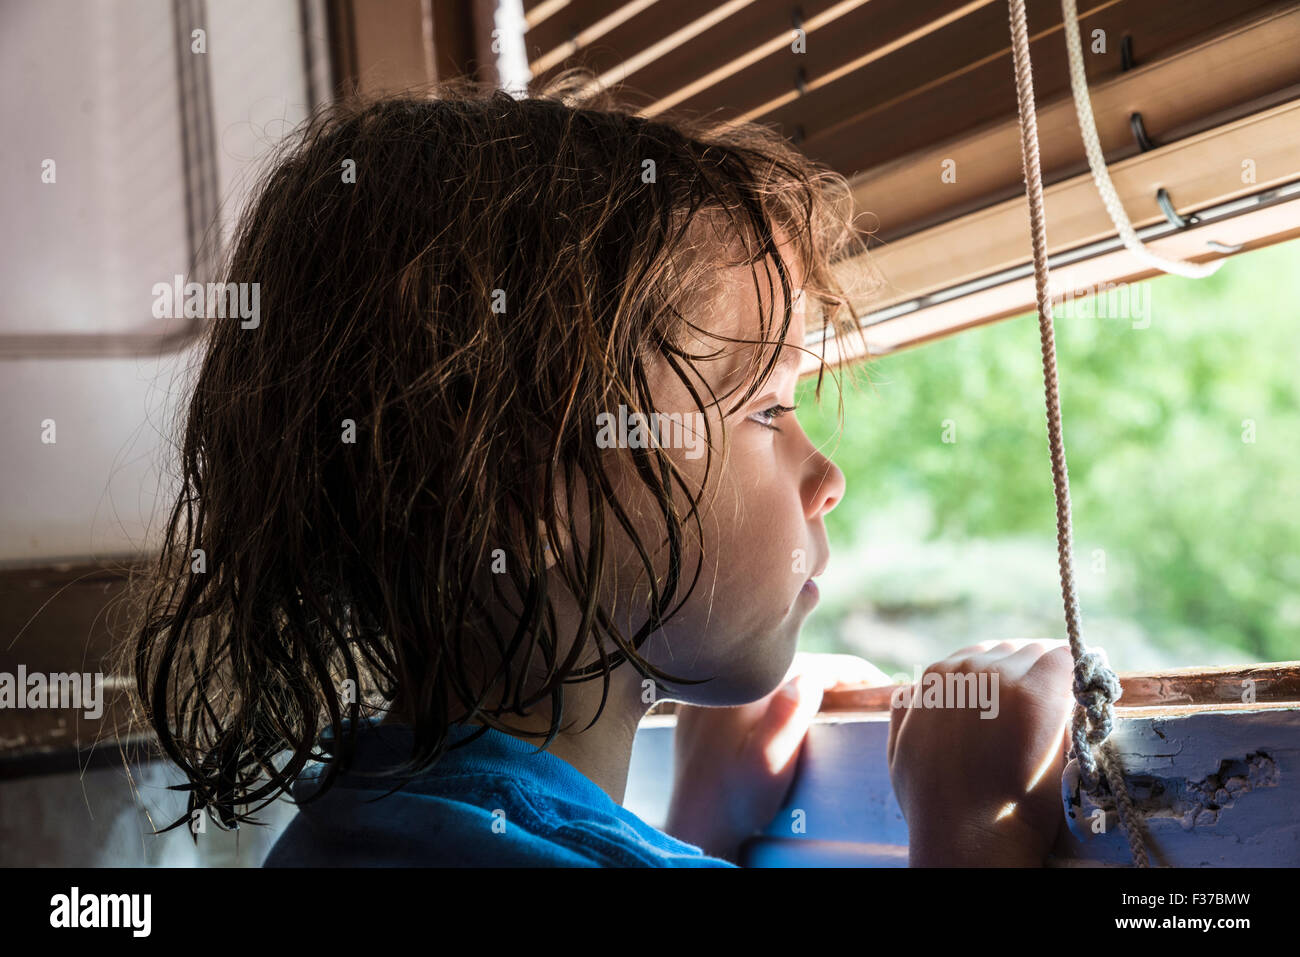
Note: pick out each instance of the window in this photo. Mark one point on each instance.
(1180, 409)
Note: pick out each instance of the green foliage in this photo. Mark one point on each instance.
(1199, 524)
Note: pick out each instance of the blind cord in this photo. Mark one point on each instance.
(1096, 687)
(1097, 160)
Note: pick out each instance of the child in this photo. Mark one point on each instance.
(511, 455)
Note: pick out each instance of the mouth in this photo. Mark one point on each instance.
(810, 586)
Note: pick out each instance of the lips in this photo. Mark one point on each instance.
(810, 586)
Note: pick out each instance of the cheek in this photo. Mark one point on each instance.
(741, 623)
(768, 552)
(756, 562)
(766, 529)
(753, 535)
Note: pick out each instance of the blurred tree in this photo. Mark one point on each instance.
(1180, 420)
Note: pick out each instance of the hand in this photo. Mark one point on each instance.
(986, 791)
(733, 766)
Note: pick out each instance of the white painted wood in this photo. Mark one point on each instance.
(1172, 766)
(1176, 765)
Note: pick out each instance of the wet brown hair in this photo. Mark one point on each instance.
(436, 340)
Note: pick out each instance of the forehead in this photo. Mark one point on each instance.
(732, 307)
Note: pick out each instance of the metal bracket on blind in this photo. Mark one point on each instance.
(1182, 222)
(1167, 207)
(1135, 119)
(1145, 144)
(1140, 132)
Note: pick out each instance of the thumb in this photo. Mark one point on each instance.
(779, 733)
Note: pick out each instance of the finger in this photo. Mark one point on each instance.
(896, 717)
(976, 649)
(1020, 662)
(1014, 646)
(1061, 745)
(990, 653)
(781, 731)
(1054, 665)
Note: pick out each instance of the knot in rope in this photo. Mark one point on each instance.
(1096, 689)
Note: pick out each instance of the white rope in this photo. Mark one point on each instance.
(1097, 160)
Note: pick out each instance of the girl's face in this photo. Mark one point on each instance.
(764, 537)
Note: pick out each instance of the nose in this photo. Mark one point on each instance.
(824, 486)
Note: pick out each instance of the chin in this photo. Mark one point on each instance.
(764, 675)
(754, 671)
(737, 665)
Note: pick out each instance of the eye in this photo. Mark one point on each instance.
(770, 415)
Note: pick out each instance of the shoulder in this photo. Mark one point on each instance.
(613, 836)
(474, 820)
(492, 801)
(477, 822)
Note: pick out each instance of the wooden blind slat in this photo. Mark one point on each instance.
(929, 80)
(1252, 230)
(744, 29)
(1189, 91)
(1076, 216)
(569, 21)
(883, 29)
(1194, 170)
(842, 122)
(536, 11)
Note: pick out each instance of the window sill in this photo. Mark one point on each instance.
(1181, 745)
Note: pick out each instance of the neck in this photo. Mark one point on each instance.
(602, 752)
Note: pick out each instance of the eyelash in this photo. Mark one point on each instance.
(775, 412)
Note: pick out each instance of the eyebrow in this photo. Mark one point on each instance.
(790, 356)
(791, 359)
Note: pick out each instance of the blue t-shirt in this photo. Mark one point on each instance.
(495, 802)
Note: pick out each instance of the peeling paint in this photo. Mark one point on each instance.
(1198, 803)
(1191, 802)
